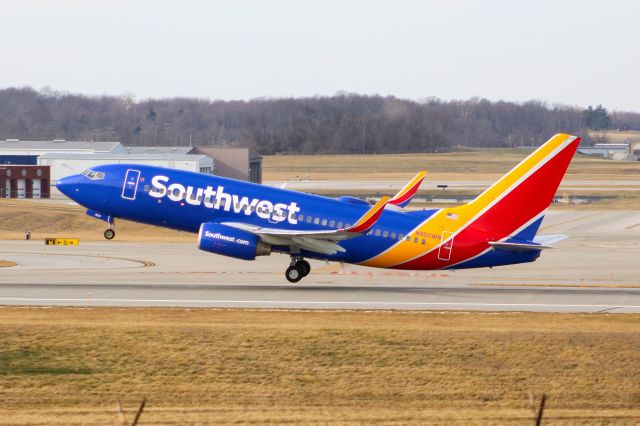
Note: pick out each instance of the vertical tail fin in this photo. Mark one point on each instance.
(512, 207)
(516, 202)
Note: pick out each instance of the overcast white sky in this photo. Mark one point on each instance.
(572, 52)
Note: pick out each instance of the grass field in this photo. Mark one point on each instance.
(614, 136)
(469, 165)
(46, 219)
(59, 366)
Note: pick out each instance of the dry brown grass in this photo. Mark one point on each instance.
(470, 165)
(44, 219)
(221, 366)
(615, 136)
(6, 264)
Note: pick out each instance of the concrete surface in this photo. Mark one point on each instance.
(597, 269)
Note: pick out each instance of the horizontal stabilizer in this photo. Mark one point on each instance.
(517, 247)
(549, 239)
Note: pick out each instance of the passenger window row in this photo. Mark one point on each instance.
(334, 224)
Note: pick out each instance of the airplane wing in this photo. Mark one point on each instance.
(404, 196)
(319, 241)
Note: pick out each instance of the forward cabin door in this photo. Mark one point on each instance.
(444, 252)
(130, 186)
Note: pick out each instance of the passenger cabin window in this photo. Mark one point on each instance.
(385, 234)
(309, 218)
(332, 223)
(324, 222)
(316, 221)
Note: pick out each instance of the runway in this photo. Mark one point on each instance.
(595, 270)
(325, 297)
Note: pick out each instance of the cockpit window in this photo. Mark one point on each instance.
(93, 175)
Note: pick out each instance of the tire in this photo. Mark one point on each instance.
(109, 234)
(304, 266)
(293, 274)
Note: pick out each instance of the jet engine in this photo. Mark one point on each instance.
(232, 242)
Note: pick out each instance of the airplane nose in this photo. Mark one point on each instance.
(67, 185)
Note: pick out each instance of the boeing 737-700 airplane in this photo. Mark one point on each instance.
(245, 220)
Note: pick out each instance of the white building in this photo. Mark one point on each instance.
(36, 148)
(67, 164)
(614, 151)
(159, 149)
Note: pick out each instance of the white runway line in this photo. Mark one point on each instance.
(310, 303)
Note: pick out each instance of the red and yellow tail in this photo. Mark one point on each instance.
(512, 203)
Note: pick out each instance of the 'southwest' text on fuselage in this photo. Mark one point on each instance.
(218, 199)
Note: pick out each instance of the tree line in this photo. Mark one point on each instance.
(341, 124)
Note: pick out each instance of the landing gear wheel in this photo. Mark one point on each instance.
(109, 234)
(304, 266)
(293, 274)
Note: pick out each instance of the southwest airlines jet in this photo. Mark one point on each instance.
(244, 220)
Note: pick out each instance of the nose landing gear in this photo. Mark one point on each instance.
(110, 232)
(298, 269)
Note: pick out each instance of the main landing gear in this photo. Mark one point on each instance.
(298, 269)
(110, 232)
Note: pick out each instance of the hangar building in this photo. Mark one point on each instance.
(24, 181)
(614, 151)
(234, 163)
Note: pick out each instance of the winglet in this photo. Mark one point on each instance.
(404, 196)
(369, 218)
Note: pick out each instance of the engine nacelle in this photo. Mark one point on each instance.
(232, 242)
